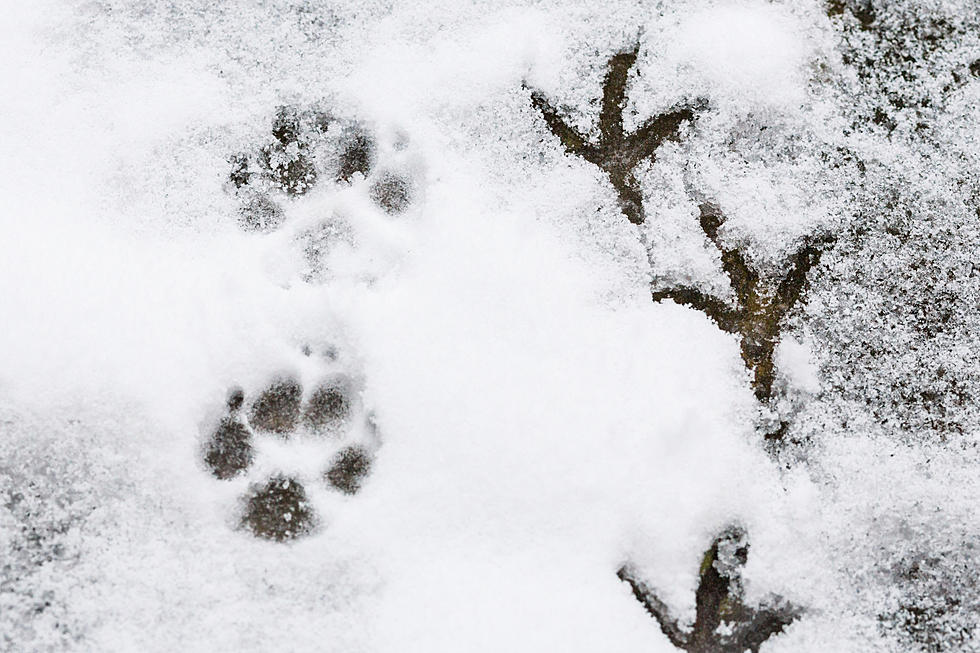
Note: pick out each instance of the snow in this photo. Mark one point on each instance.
(796, 362)
(540, 421)
(746, 51)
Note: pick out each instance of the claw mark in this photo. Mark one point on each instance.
(618, 153)
(723, 624)
(757, 318)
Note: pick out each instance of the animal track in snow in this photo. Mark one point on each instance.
(724, 623)
(283, 440)
(762, 303)
(311, 148)
(321, 188)
(335, 194)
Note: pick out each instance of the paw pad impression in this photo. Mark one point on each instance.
(327, 419)
(310, 147)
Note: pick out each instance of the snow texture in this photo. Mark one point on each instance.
(467, 326)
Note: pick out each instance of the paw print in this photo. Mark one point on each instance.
(287, 442)
(287, 162)
(300, 444)
(311, 148)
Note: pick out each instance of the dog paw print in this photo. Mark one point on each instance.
(312, 148)
(286, 442)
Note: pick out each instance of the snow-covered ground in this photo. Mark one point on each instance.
(410, 220)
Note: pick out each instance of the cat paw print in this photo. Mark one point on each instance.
(312, 148)
(295, 451)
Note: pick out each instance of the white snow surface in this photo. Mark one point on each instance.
(542, 421)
